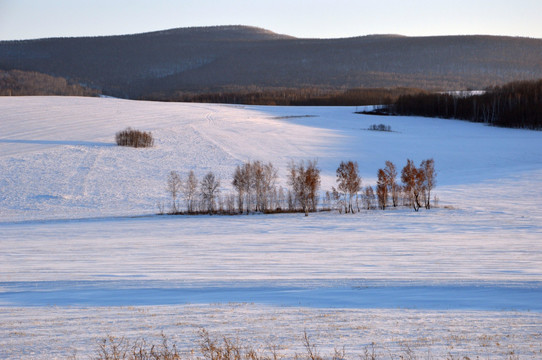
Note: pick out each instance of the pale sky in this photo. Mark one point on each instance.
(30, 19)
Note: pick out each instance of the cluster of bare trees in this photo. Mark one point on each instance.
(134, 138)
(415, 191)
(255, 188)
(254, 183)
(305, 183)
(418, 183)
(187, 189)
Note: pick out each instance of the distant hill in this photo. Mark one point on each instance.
(230, 58)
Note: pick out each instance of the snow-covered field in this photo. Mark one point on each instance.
(82, 254)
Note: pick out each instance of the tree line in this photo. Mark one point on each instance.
(255, 189)
(309, 96)
(516, 105)
(24, 83)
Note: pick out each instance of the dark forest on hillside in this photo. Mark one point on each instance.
(24, 83)
(295, 97)
(516, 105)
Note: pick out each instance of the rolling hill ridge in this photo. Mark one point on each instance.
(230, 58)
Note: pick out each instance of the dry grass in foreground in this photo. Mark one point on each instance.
(210, 348)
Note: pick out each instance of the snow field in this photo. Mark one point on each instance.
(437, 246)
(83, 255)
(58, 159)
(61, 332)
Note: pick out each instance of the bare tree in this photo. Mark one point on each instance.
(230, 203)
(248, 183)
(281, 199)
(430, 175)
(349, 183)
(312, 182)
(269, 184)
(382, 189)
(339, 202)
(295, 176)
(393, 187)
(305, 182)
(209, 191)
(190, 189)
(369, 197)
(327, 201)
(291, 200)
(239, 183)
(413, 180)
(258, 185)
(174, 187)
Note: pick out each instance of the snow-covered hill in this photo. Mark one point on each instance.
(58, 158)
(72, 263)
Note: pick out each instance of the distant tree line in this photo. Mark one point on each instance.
(313, 96)
(516, 105)
(255, 190)
(24, 83)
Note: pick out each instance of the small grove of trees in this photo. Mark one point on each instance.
(134, 138)
(255, 188)
(418, 183)
(380, 127)
(254, 183)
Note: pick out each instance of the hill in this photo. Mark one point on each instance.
(232, 58)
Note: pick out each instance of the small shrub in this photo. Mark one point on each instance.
(134, 138)
(380, 127)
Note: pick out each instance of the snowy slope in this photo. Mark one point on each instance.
(58, 158)
(75, 253)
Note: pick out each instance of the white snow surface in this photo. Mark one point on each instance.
(58, 159)
(81, 248)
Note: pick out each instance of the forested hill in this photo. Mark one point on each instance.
(231, 58)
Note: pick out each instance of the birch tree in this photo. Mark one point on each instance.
(209, 191)
(174, 187)
(190, 189)
(348, 183)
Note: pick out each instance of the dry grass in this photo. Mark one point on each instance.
(224, 348)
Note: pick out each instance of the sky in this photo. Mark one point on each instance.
(30, 19)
